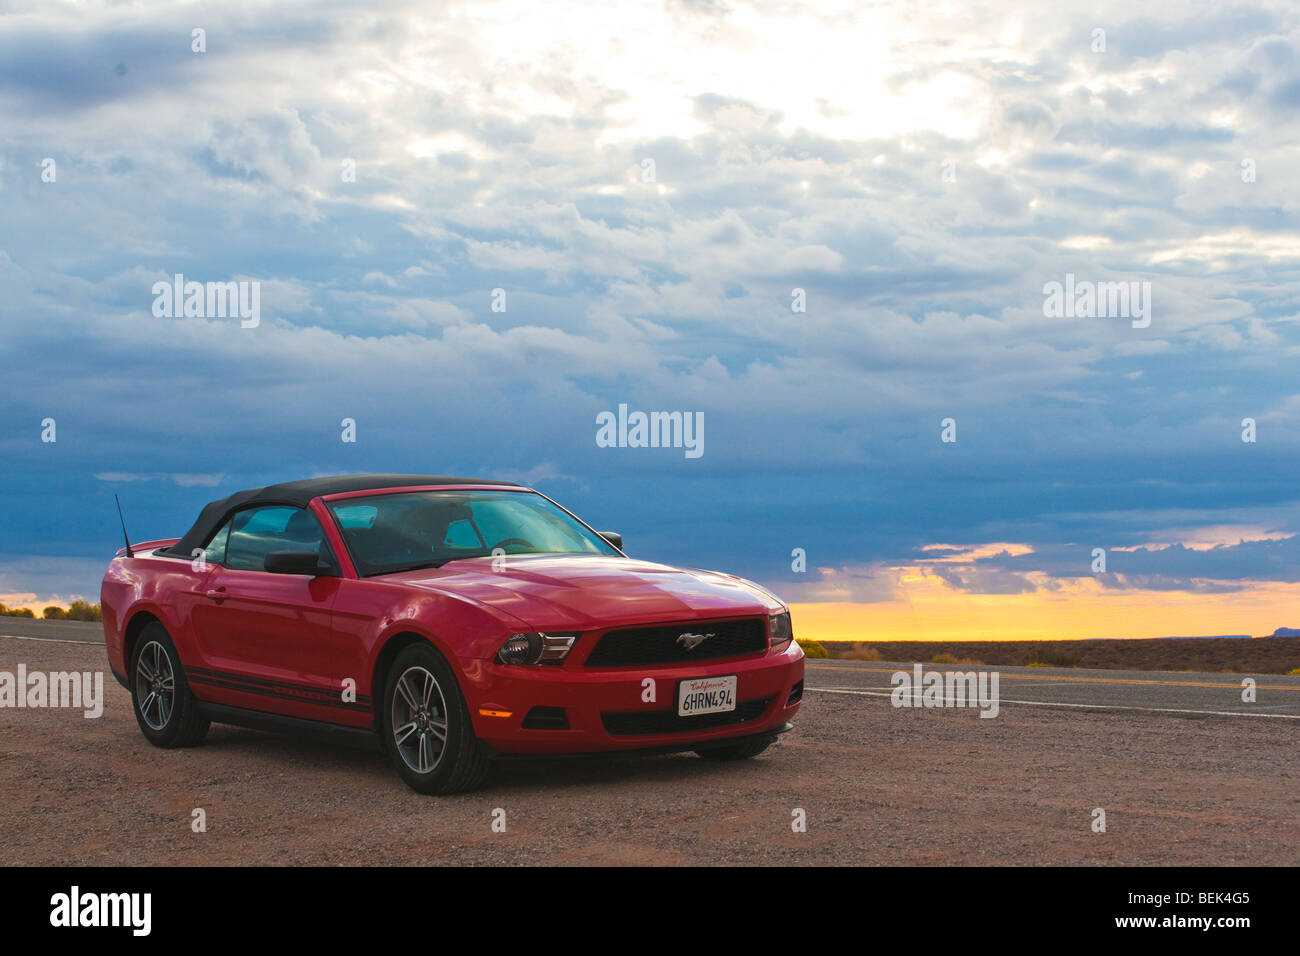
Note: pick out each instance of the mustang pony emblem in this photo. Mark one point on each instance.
(691, 641)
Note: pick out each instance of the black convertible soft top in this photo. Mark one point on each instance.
(299, 494)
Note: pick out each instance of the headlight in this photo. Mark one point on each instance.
(778, 628)
(536, 648)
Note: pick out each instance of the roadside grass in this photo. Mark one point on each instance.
(812, 648)
(1051, 657)
(1264, 655)
(946, 658)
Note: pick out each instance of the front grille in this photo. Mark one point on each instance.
(632, 723)
(662, 644)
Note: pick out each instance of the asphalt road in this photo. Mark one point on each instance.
(89, 632)
(1184, 773)
(1187, 694)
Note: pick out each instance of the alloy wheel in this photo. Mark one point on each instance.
(419, 719)
(155, 685)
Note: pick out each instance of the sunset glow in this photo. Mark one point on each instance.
(929, 609)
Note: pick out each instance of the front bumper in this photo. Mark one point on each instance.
(605, 710)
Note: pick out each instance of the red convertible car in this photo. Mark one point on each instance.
(454, 620)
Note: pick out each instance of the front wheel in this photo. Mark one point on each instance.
(166, 711)
(427, 730)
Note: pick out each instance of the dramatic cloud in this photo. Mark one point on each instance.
(476, 226)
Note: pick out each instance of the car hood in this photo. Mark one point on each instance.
(581, 592)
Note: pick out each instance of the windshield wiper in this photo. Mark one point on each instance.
(413, 567)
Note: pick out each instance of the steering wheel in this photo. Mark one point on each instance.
(505, 541)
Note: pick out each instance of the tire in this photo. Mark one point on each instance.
(167, 719)
(744, 750)
(429, 703)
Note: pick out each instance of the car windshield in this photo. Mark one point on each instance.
(423, 529)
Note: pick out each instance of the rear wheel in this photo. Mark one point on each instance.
(166, 711)
(741, 751)
(427, 730)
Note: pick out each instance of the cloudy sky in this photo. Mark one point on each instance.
(648, 184)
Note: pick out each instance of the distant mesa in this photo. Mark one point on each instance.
(1202, 637)
(1287, 632)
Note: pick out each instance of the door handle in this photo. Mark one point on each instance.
(216, 594)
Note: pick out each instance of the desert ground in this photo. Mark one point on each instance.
(1185, 773)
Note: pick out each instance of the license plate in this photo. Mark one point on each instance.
(706, 695)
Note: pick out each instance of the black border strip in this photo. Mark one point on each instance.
(302, 693)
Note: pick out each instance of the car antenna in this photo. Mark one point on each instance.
(129, 552)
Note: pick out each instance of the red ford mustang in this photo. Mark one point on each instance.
(454, 619)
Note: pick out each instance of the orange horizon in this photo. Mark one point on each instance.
(929, 609)
(1019, 640)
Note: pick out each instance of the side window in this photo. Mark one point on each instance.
(257, 532)
(215, 552)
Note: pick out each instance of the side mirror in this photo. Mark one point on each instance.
(295, 562)
(613, 537)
